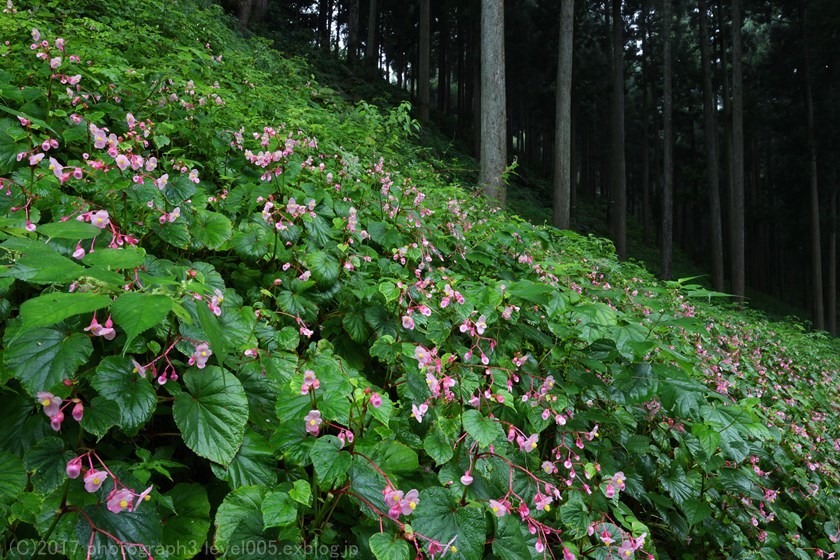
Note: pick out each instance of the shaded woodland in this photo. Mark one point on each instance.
(707, 124)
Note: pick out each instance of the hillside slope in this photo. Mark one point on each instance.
(244, 319)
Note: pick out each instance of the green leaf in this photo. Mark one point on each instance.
(437, 445)
(696, 510)
(42, 358)
(210, 229)
(389, 290)
(254, 464)
(482, 429)
(398, 458)
(324, 267)
(356, 326)
(186, 532)
(101, 415)
(12, 477)
(52, 308)
(71, 229)
(511, 541)
(127, 257)
(136, 312)
(709, 438)
(680, 485)
(213, 414)
(386, 547)
(242, 507)
(330, 462)
(301, 492)
(115, 380)
(438, 516)
(575, 515)
(46, 461)
(139, 526)
(278, 510)
(44, 268)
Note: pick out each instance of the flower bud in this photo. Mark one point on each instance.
(74, 467)
(55, 421)
(78, 412)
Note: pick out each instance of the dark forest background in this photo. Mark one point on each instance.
(705, 126)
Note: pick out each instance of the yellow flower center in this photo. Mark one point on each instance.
(453, 549)
(203, 354)
(495, 509)
(96, 480)
(312, 422)
(547, 507)
(45, 402)
(533, 445)
(412, 505)
(123, 503)
(146, 498)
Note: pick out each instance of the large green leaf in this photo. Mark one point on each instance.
(127, 257)
(324, 268)
(512, 540)
(71, 229)
(437, 445)
(210, 229)
(101, 415)
(330, 462)
(696, 510)
(41, 358)
(186, 531)
(386, 547)
(46, 267)
(438, 516)
(575, 515)
(12, 477)
(243, 506)
(215, 333)
(52, 308)
(254, 464)
(115, 380)
(482, 429)
(46, 460)
(278, 510)
(213, 414)
(136, 312)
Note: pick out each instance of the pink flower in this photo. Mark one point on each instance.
(144, 496)
(94, 479)
(529, 444)
(313, 422)
(625, 550)
(120, 500)
(161, 182)
(419, 411)
(194, 176)
(79, 252)
(100, 219)
(140, 370)
(74, 467)
(481, 324)
(201, 355)
(409, 503)
(618, 479)
(50, 402)
(55, 62)
(56, 167)
(376, 400)
(408, 322)
(122, 162)
(567, 554)
(78, 412)
(35, 159)
(499, 509)
(55, 421)
(542, 502)
(609, 491)
(467, 479)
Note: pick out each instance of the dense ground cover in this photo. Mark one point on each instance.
(242, 318)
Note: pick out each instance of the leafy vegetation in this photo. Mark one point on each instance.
(241, 318)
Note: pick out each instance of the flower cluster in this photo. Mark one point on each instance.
(399, 503)
(120, 498)
(54, 408)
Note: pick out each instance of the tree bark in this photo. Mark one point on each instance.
(353, 31)
(712, 160)
(647, 214)
(618, 190)
(818, 310)
(563, 125)
(832, 262)
(443, 68)
(668, 147)
(371, 50)
(423, 98)
(737, 217)
(493, 111)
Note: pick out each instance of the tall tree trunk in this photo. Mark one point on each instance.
(371, 50)
(324, 24)
(563, 128)
(712, 160)
(832, 262)
(816, 250)
(353, 31)
(618, 190)
(424, 60)
(493, 115)
(668, 148)
(443, 69)
(647, 214)
(737, 217)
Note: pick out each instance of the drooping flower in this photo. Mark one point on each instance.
(78, 411)
(55, 421)
(74, 467)
(50, 402)
(94, 479)
(201, 355)
(467, 479)
(542, 502)
(56, 167)
(79, 252)
(376, 400)
(144, 496)
(528, 444)
(120, 500)
(100, 219)
(408, 322)
(481, 324)
(140, 370)
(419, 411)
(499, 509)
(409, 503)
(313, 422)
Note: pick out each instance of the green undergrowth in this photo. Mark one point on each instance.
(243, 318)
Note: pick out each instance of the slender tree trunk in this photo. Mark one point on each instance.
(618, 171)
(562, 135)
(493, 114)
(353, 31)
(424, 60)
(832, 262)
(816, 250)
(324, 24)
(647, 214)
(737, 217)
(371, 50)
(668, 148)
(712, 160)
(443, 69)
